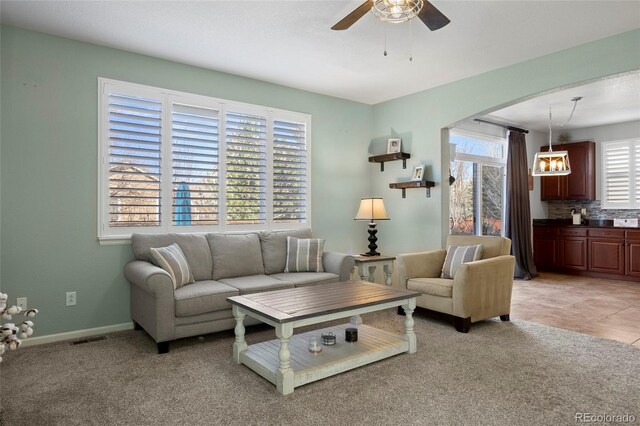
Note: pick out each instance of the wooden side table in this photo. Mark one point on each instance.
(367, 267)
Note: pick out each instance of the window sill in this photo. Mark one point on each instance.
(119, 240)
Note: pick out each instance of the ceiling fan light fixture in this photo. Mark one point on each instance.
(396, 11)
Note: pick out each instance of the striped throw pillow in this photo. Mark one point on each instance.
(172, 260)
(457, 255)
(304, 255)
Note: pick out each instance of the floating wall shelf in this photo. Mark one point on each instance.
(390, 157)
(421, 184)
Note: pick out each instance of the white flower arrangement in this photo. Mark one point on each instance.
(11, 335)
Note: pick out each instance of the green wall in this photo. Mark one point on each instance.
(418, 222)
(49, 160)
(48, 154)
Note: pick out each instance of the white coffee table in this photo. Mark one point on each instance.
(287, 363)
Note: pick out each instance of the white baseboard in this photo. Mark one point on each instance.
(78, 334)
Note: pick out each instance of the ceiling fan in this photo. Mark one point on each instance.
(396, 11)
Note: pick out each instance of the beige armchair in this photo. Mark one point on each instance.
(479, 290)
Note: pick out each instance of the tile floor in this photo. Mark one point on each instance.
(605, 308)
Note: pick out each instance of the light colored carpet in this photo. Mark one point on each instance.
(516, 373)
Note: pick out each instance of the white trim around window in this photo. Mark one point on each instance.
(171, 161)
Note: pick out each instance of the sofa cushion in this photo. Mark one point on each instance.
(432, 286)
(274, 248)
(304, 255)
(456, 256)
(172, 260)
(235, 255)
(256, 283)
(194, 247)
(303, 279)
(203, 296)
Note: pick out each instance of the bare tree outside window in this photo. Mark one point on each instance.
(476, 196)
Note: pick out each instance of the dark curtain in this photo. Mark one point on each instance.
(518, 226)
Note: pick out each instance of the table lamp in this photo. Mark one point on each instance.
(372, 209)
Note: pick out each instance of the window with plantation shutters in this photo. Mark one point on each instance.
(246, 140)
(621, 174)
(177, 162)
(134, 161)
(289, 172)
(195, 159)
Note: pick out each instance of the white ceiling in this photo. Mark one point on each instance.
(607, 101)
(290, 43)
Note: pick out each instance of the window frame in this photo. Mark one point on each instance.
(481, 161)
(118, 235)
(634, 175)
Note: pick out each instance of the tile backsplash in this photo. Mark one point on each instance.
(562, 210)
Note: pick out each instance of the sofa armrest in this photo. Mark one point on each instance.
(148, 277)
(482, 289)
(338, 263)
(426, 264)
(152, 299)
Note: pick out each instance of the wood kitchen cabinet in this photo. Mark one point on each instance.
(603, 252)
(606, 251)
(580, 184)
(633, 253)
(545, 247)
(573, 248)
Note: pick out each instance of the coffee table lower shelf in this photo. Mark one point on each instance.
(373, 345)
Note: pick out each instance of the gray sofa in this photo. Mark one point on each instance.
(223, 265)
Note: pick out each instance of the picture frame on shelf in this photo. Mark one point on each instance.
(418, 173)
(394, 145)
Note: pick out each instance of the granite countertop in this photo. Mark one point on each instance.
(590, 223)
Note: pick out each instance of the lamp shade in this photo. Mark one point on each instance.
(552, 163)
(372, 209)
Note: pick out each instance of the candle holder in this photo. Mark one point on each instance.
(329, 339)
(314, 345)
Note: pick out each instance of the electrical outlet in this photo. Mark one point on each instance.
(71, 298)
(22, 303)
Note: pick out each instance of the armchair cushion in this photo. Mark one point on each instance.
(172, 260)
(304, 255)
(456, 256)
(434, 286)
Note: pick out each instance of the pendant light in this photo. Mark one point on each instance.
(553, 163)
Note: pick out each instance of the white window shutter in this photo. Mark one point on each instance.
(621, 174)
(246, 168)
(195, 165)
(134, 161)
(289, 172)
(178, 162)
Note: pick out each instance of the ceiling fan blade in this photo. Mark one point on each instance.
(351, 18)
(432, 17)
